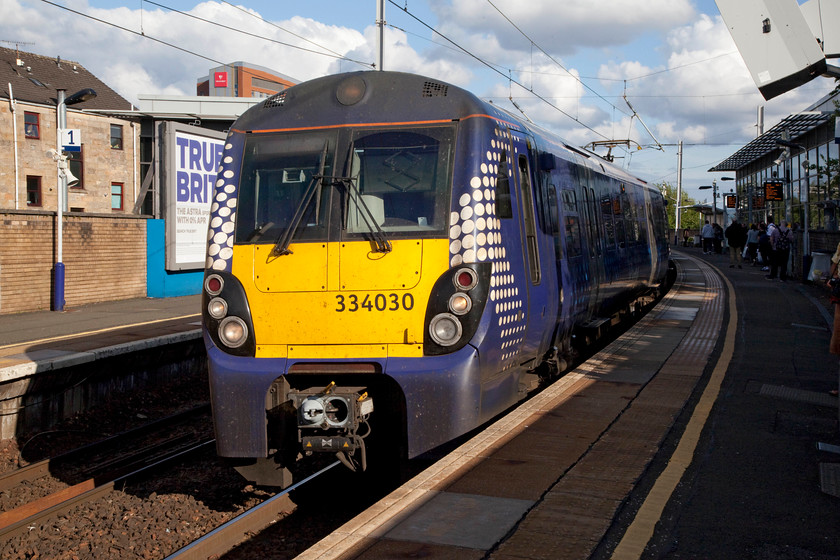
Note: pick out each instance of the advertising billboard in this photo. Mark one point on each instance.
(192, 157)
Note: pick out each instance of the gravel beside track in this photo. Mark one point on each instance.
(153, 519)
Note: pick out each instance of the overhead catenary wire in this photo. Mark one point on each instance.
(552, 59)
(172, 45)
(494, 69)
(262, 37)
(301, 37)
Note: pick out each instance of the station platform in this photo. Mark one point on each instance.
(48, 340)
(39, 351)
(705, 431)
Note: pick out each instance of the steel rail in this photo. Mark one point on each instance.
(19, 520)
(226, 536)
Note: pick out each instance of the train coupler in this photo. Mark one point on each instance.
(333, 419)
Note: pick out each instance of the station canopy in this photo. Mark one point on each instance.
(796, 124)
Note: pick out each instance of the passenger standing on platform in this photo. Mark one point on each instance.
(781, 239)
(685, 237)
(752, 244)
(834, 345)
(735, 237)
(708, 235)
(718, 238)
(764, 246)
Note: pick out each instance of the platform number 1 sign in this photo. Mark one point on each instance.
(71, 140)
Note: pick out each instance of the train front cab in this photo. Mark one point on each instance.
(348, 298)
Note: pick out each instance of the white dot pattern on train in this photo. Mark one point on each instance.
(475, 236)
(222, 216)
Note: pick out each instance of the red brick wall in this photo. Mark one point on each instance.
(104, 259)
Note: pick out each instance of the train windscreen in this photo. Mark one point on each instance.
(281, 187)
(402, 179)
(374, 181)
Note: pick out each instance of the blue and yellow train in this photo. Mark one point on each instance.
(392, 261)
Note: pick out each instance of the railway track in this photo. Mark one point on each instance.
(221, 540)
(94, 470)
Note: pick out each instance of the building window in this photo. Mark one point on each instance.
(76, 164)
(116, 137)
(117, 196)
(33, 190)
(32, 125)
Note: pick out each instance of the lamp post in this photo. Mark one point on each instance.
(726, 179)
(785, 156)
(61, 118)
(806, 219)
(713, 186)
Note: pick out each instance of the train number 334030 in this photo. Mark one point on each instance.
(379, 302)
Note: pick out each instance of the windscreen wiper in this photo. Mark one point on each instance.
(349, 182)
(379, 237)
(282, 246)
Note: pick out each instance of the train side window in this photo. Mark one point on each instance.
(573, 241)
(503, 206)
(607, 216)
(594, 225)
(554, 218)
(587, 217)
(528, 215)
(619, 224)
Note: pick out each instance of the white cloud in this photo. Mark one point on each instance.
(682, 70)
(562, 27)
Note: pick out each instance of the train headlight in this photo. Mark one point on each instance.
(445, 329)
(217, 308)
(460, 303)
(233, 332)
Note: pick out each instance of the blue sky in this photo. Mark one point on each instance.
(673, 59)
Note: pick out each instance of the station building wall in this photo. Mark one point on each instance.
(104, 258)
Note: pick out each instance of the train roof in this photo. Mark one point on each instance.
(376, 97)
(389, 98)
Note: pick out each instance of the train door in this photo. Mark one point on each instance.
(541, 306)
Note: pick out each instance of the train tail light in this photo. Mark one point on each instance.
(465, 279)
(213, 284)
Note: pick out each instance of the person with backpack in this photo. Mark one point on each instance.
(781, 239)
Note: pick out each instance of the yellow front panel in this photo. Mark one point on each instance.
(340, 322)
(307, 260)
(363, 269)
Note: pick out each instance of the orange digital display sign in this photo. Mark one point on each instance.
(774, 191)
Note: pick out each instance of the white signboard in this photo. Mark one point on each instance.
(192, 162)
(71, 140)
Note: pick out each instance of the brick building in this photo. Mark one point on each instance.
(105, 166)
(241, 79)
